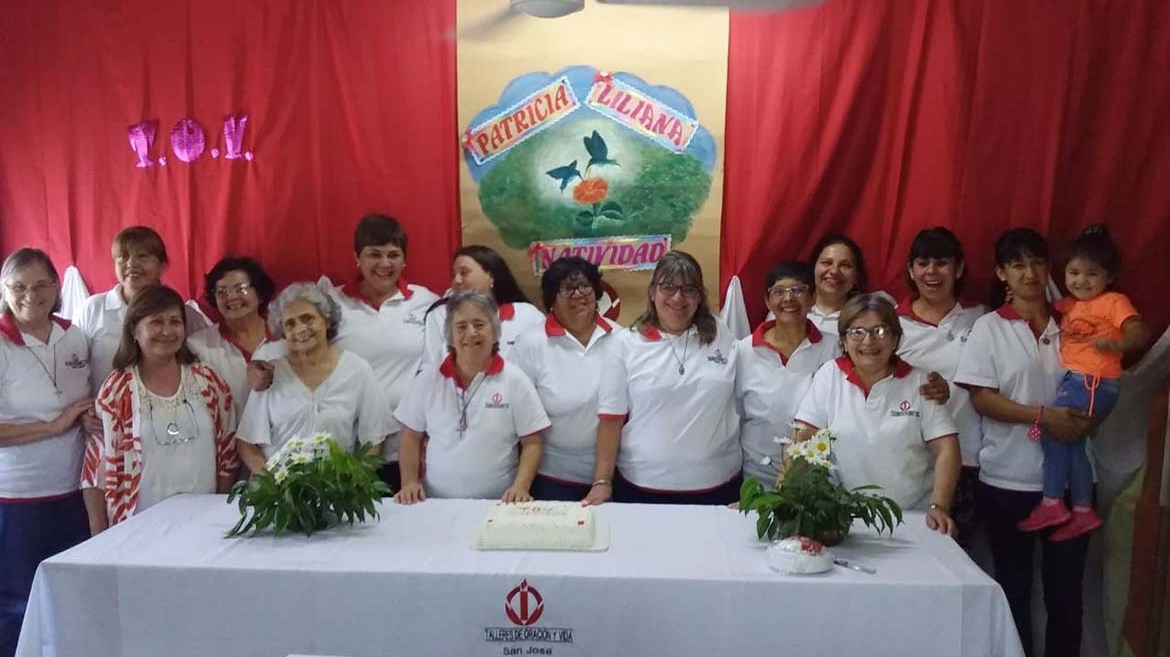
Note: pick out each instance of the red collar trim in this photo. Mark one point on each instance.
(447, 368)
(758, 340)
(1007, 312)
(901, 369)
(507, 311)
(905, 309)
(650, 332)
(352, 290)
(227, 336)
(553, 328)
(9, 329)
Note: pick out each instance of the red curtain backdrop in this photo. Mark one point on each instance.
(351, 109)
(877, 119)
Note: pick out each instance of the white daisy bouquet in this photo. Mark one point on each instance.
(809, 501)
(309, 485)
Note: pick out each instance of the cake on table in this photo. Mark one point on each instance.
(799, 556)
(538, 526)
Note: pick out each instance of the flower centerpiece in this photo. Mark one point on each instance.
(309, 485)
(809, 501)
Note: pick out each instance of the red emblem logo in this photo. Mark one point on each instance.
(524, 605)
(905, 405)
(497, 398)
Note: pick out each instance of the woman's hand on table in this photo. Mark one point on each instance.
(1065, 425)
(516, 494)
(940, 520)
(411, 493)
(935, 389)
(600, 493)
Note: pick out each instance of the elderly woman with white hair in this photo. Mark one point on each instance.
(316, 388)
(475, 408)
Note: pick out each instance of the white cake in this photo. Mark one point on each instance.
(538, 526)
(799, 556)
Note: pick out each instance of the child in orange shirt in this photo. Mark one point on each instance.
(1097, 326)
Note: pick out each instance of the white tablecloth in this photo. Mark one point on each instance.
(676, 581)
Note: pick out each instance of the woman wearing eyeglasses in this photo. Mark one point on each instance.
(476, 409)
(565, 359)
(316, 388)
(239, 289)
(775, 366)
(887, 433)
(168, 421)
(667, 399)
(44, 391)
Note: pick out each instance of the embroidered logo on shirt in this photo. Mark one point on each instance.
(717, 358)
(75, 362)
(497, 401)
(413, 319)
(904, 410)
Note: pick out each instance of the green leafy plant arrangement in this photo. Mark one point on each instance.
(810, 502)
(309, 485)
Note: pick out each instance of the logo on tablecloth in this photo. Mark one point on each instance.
(523, 606)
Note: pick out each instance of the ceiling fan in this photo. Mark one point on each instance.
(558, 8)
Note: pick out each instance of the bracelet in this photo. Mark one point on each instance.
(603, 482)
(1034, 432)
(940, 507)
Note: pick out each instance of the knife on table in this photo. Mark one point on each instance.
(845, 563)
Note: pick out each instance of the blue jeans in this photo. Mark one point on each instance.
(1066, 465)
(29, 533)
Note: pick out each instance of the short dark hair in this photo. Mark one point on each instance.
(376, 230)
(260, 280)
(1094, 243)
(937, 243)
(505, 289)
(858, 258)
(796, 269)
(563, 269)
(26, 257)
(151, 301)
(139, 238)
(1012, 245)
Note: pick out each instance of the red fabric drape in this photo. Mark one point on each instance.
(877, 119)
(351, 109)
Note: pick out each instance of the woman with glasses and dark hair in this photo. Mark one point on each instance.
(481, 415)
(168, 420)
(667, 399)
(775, 366)
(239, 289)
(887, 433)
(479, 268)
(44, 391)
(565, 359)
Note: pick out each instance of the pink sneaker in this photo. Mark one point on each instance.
(1045, 515)
(1082, 523)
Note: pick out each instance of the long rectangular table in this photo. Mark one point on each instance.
(677, 580)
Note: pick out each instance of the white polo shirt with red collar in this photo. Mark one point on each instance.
(31, 375)
(1004, 354)
(769, 388)
(936, 348)
(881, 431)
(501, 406)
(682, 429)
(389, 337)
(215, 346)
(515, 318)
(567, 376)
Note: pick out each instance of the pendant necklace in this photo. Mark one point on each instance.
(50, 374)
(464, 398)
(681, 367)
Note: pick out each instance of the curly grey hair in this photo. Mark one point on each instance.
(304, 292)
(479, 300)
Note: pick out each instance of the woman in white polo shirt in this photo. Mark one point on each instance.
(565, 359)
(1011, 366)
(838, 275)
(140, 258)
(887, 434)
(775, 366)
(383, 316)
(935, 326)
(316, 388)
(475, 409)
(482, 269)
(44, 390)
(667, 399)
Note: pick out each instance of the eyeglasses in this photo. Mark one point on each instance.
(583, 288)
(226, 291)
(20, 289)
(779, 292)
(878, 333)
(688, 291)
